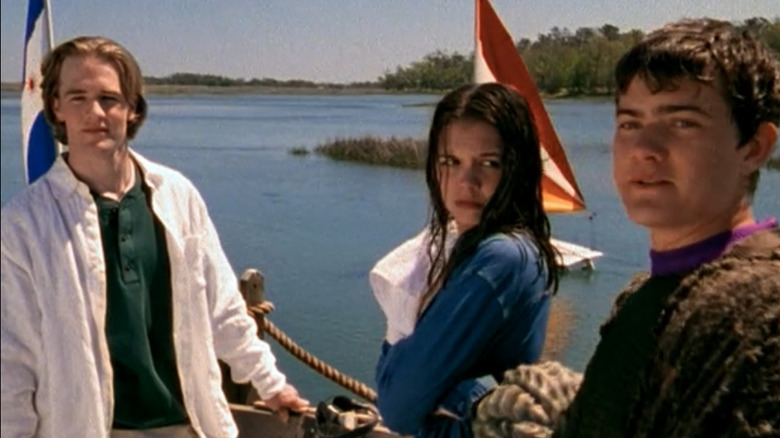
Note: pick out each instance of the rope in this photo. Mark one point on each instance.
(529, 402)
(349, 383)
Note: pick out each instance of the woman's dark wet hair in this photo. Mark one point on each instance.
(516, 206)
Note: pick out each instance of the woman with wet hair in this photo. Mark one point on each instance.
(469, 297)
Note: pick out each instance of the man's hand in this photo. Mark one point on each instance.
(286, 400)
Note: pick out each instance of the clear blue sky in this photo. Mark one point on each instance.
(327, 40)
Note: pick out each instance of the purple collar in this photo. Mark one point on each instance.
(688, 258)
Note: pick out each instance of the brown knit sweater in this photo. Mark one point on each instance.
(711, 369)
(717, 368)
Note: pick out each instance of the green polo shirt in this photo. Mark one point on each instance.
(139, 317)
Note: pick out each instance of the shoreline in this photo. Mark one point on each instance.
(235, 90)
(12, 89)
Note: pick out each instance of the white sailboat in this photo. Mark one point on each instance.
(496, 59)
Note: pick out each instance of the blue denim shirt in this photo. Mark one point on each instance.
(491, 315)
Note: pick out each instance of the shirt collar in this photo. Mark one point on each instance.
(690, 257)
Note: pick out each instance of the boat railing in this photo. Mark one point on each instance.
(251, 415)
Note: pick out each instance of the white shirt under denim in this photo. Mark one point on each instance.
(56, 371)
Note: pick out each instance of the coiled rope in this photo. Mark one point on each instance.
(259, 311)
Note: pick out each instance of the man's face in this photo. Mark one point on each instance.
(676, 161)
(91, 105)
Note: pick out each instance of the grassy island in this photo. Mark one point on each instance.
(404, 152)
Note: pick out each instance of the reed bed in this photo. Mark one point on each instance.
(403, 152)
(774, 163)
(301, 150)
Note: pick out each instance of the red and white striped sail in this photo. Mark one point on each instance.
(496, 59)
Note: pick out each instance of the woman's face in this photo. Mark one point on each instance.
(469, 169)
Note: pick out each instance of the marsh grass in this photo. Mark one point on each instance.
(404, 152)
(774, 163)
(300, 150)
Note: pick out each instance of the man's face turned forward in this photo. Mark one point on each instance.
(676, 160)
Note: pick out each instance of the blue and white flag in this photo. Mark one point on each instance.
(40, 149)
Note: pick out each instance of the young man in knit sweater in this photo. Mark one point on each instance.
(693, 348)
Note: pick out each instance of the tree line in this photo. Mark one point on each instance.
(210, 80)
(560, 61)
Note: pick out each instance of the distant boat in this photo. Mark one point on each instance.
(573, 256)
(496, 59)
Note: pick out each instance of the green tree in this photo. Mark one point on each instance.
(437, 71)
(560, 62)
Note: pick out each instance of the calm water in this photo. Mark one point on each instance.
(315, 227)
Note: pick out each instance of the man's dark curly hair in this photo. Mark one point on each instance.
(713, 52)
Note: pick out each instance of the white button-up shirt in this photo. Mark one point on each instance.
(56, 371)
